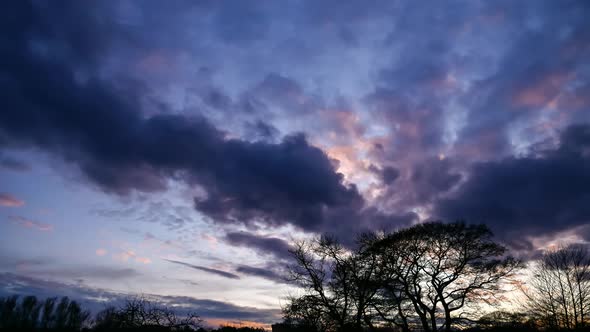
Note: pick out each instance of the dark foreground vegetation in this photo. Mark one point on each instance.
(430, 277)
(138, 314)
(436, 277)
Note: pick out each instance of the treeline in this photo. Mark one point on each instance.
(137, 314)
(51, 314)
(435, 277)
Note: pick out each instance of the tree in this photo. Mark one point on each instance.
(48, 314)
(437, 271)
(139, 313)
(504, 320)
(339, 284)
(30, 313)
(429, 275)
(558, 292)
(306, 313)
(8, 312)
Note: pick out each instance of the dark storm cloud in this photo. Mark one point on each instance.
(433, 177)
(264, 245)
(206, 269)
(538, 194)
(264, 182)
(93, 124)
(94, 299)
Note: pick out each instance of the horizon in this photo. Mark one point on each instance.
(179, 149)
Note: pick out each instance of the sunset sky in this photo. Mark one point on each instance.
(177, 148)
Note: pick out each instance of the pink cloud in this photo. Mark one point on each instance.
(27, 223)
(8, 200)
(541, 92)
(125, 255)
(101, 252)
(143, 260)
(211, 240)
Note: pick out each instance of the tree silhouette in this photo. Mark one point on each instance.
(422, 276)
(439, 269)
(142, 314)
(30, 314)
(558, 293)
(340, 285)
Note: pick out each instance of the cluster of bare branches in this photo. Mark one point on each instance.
(141, 313)
(430, 276)
(558, 293)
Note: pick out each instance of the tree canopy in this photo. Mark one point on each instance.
(432, 275)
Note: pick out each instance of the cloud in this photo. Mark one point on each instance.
(143, 260)
(101, 252)
(27, 223)
(387, 174)
(206, 269)
(535, 70)
(47, 267)
(13, 164)
(266, 272)
(100, 272)
(263, 245)
(10, 262)
(536, 194)
(92, 124)
(260, 130)
(8, 200)
(124, 256)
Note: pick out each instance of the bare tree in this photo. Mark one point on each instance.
(339, 283)
(436, 271)
(429, 276)
(141, 313)
(307, 313)
(558, 292)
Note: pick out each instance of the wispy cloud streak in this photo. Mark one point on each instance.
(206, 269)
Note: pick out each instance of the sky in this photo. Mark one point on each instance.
(178, 148)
